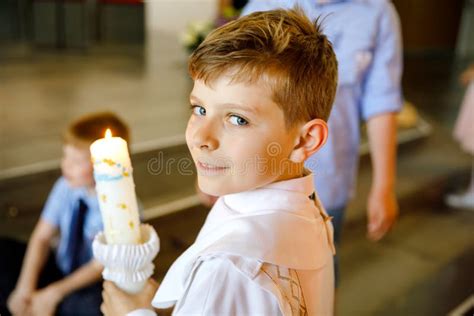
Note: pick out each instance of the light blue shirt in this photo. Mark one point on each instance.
(58, 211)
(367, 41)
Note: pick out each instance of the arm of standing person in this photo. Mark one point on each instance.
(46, 300)
(382, 205)
(36, 255)
(380, 101)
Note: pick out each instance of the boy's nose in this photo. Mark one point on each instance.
(205, 137)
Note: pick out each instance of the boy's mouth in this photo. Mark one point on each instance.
(210, 169)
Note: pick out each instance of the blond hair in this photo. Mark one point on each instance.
(280, 47)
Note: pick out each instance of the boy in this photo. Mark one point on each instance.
(70, 285)
(263, 89)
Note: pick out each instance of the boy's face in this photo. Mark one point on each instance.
(76, 166)
(237, 137)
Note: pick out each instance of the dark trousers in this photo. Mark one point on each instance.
(337, 222)
(83, 302)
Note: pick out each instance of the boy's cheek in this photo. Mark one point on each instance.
(85, 171)
(87, 178)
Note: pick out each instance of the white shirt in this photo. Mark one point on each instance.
(262, 252)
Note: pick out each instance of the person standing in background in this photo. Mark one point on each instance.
(367, 40)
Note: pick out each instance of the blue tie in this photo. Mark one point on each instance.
(76, 236)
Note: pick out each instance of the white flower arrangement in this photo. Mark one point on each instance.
(195, 33)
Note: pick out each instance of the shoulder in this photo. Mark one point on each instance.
(381, 15)
(256, 281)
(220, 283)
(60, 192)
(57, 200)
(377, 7)
(383, 8)
(61, 185)
(227, 268)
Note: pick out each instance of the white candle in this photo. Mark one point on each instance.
(116, 190)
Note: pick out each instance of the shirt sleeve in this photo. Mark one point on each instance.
(55, 203)
(217, 287)
(142, 312)
(382, 86)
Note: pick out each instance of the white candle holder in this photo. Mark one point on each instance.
(128, 266)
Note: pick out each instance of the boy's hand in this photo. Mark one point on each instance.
(45, 301)
(382, 212)
(117, 303)
(19, 301)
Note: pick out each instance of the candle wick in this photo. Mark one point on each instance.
(108, 133)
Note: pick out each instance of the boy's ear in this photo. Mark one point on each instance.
(311, 137)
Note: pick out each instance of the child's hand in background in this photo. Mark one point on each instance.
(19, 301)
(45, 301)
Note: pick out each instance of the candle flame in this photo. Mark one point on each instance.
(108, 133)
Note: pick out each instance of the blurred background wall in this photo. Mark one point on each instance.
(428, 25)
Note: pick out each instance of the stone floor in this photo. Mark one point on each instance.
(424, 267)
(147, 85)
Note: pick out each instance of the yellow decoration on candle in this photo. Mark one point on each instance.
(131, 225)
(123, 206)
(125, 174)
(110, 162)
(104, 198)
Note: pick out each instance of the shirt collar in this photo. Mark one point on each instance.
(302, 184)
(288, 195)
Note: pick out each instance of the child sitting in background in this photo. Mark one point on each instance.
(263, 90)
(69, 283)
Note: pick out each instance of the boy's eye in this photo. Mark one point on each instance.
(237, 120)
(199, 110)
